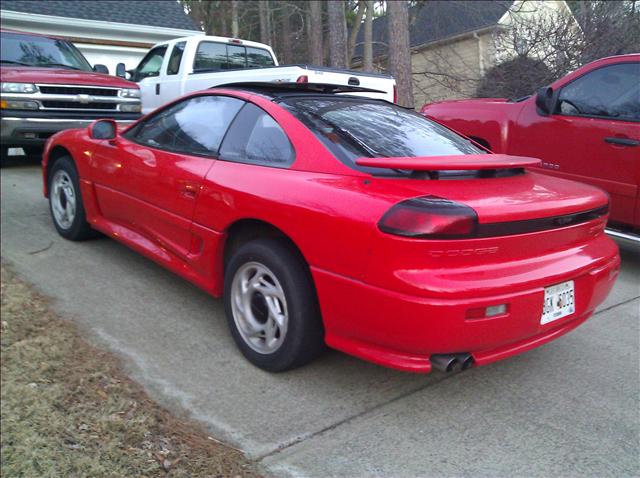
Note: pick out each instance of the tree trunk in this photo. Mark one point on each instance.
(265, 23)
(315, 32)
(234, 19)
(221, 13)
(355, 28)
(367, 61)
(285, 33)
(399, 50)
(337, 34)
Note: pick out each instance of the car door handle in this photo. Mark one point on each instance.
(622, 141)
(157, 88)
(189, 191)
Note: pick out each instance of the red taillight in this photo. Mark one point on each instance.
(395, 94)
(430, 217)
(235, 41)
(303, 79)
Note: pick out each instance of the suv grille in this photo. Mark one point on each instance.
(77, 90)
(79, 106)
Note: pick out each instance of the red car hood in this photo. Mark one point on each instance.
(62, 76)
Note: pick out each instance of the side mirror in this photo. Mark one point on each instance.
(121, 70)
(103, 129)
(98, 68)
(544, 100)
(132, 75)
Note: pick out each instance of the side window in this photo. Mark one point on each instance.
(176, 57)
(151, 63)
(210, 56)
(258, 58)
(255, 137)
(611, 92)
(193, 126)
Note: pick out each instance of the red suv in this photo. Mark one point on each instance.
(585, 126)
(48, 86)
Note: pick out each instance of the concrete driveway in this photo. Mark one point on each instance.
(569, 408)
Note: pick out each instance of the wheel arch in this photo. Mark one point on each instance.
(244, 230)
(247, 229)
(53, 156)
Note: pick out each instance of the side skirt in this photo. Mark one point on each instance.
(200, 266)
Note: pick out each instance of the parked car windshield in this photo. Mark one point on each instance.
(33, 50)
(352, 128)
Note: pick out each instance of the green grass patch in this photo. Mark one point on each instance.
(67, 409)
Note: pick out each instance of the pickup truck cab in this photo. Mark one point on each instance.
(48, 86)
(585, 127)
(183, 65)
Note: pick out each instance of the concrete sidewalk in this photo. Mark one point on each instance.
(569, 408)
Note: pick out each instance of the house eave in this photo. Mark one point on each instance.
(91, 29)
(455, 38)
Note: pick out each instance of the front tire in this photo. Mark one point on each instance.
(271, 306)
(65, 201)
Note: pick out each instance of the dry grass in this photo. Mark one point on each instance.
(67, 410)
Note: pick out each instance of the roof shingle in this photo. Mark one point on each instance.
(437, 20)
(157, 13)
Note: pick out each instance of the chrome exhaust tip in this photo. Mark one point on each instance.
(444, 362)
(465, 360)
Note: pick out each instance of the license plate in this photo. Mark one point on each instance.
(559, 301)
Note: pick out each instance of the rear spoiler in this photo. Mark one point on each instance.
(294, 87)
(453, 163)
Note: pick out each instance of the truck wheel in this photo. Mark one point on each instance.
(33, 152)
(65, 201)
(271, 306)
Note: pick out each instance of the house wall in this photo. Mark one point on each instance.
(452, 69)
(458, 64)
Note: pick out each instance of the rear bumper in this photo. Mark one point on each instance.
(403, 331)
(33, 129)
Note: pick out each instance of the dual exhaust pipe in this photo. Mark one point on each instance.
(451, 362)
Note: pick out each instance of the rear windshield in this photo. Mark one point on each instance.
(213, 56)
(352, 128)
(33, 50)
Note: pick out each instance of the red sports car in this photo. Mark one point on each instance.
(326, 218)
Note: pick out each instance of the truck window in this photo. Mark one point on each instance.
(151, 63)
(258, 58)
(236, 56)
(176, 57)
(212, 56)
(612, 92)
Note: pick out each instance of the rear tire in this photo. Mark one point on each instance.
(271, 306)
(65, 201)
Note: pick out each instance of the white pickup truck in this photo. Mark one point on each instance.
(176, 67)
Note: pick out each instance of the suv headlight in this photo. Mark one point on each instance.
(130, 93)
(131, 108)
(19, 88)
(19, 105)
